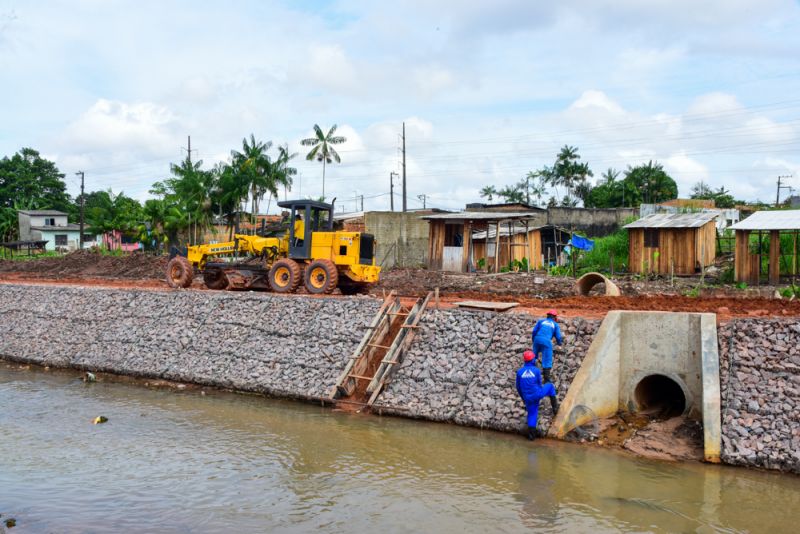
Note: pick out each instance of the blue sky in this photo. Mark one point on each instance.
(488, 90)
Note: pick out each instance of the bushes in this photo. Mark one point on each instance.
(599, 258)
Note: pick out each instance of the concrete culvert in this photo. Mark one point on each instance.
(660, 396)
(588, 281)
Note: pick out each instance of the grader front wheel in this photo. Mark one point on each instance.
(284, 276)
(321, 277)
(179, 272)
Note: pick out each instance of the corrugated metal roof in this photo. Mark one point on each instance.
(674, 220)
(771, 220)
(42, 212)
(483, 216)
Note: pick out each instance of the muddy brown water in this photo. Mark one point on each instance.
(169, 461)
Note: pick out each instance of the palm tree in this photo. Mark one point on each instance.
(323, 151)
(488, 192)
(284, 175)
(254, 164)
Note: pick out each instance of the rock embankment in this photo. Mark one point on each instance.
(462, 366)
(760, 380)
(294, 347)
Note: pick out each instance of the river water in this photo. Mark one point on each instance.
(170, 461)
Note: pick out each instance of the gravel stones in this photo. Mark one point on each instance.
(285, 346)
(462, 365)
(759, 376)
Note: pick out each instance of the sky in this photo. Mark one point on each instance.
(488, 90)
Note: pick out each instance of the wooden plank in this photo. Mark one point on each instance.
(774, 257)
(467, 242)
(497, 249)
(372, 331)
(399, 346)
(486, 305)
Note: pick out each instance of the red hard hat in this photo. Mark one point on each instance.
(552, 312)
(528, 355)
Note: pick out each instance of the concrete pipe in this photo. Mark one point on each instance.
(586, 282)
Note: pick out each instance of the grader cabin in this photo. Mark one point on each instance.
(682, 243)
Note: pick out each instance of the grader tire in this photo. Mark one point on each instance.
(179, 272)
(321, 277)
(215, 279)
(285, 276)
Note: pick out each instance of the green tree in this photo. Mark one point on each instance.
(107, 212)
(284, 174)
(254, 165)
(648, 184)
(488, 192)
(570, 173)
(721, 197)
(608, 193)
(28, 178)
(323, 150)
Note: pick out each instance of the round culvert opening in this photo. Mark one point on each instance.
(660, 396)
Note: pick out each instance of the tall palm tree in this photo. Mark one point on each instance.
(323, 151)
(254, 164)
(488, 192)
(284, 175)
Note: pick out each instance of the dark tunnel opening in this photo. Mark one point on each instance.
(660, 396)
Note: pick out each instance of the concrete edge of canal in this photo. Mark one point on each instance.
(459, 368)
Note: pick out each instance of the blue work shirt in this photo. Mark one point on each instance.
(529, 382)
(544, 331)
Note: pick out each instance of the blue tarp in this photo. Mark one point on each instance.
(581, 243)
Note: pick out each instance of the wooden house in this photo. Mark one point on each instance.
(458, 241)
(758, 237)
(682, 243)
(541, 246)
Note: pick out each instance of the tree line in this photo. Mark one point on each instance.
(567, 183)
(183, 206)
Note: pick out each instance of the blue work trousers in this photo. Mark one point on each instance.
(532, 402)
(545, 349)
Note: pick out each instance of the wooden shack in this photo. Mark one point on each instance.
(542, 246)
(770, 235)
(451, 246)
(681, 243)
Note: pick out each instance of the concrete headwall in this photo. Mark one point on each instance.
(595, 222)
(402, 238)
(633, 347)
(293, 347)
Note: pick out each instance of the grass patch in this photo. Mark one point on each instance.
(605, 248)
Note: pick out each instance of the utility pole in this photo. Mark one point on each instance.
(778, 195)
(188, 148)
(80, 239)
(405, 206)
(423, 199)
(391, 188)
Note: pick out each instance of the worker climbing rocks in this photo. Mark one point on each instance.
(531, 391)
(542, 337)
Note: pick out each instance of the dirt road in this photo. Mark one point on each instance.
(534, 292)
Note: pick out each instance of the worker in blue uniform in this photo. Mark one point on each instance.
(531, 390)
(542, 339)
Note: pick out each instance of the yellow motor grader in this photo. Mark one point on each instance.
(309, 252)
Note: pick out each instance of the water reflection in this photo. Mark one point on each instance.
(181, 462)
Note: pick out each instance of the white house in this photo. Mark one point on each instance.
(52, 226)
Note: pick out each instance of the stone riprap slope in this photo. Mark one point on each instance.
(760, 376)
(462, 365)
(287, 346)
